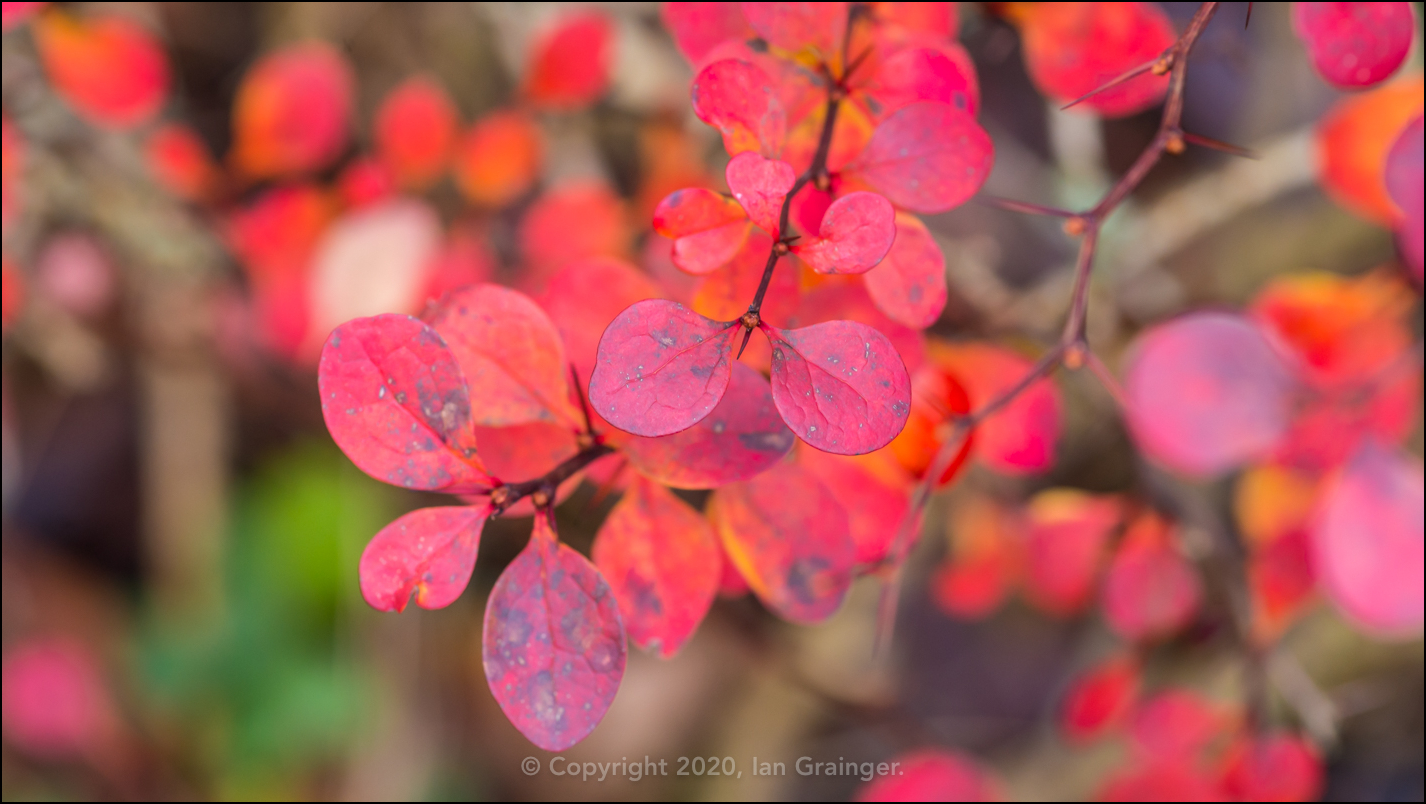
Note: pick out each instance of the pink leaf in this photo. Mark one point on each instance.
(292, 111)
(1404, 184)
(585, 296)
(1101, 699)
(554, 642)
(1067, 532)
(511, 355)
(395, 401)
(112, 70)
(1367, 541)
(518, 452)
(944, 75)
(697, 28)
(738, 99)
(570, 62)
(840, 386)
(793, 26)
(1020, 438)
(856, 232)
(1151, 590)
(787, 535)
(55, 705)
(760, 185)
(429, 552)
(1355, 45)
(1206, 392)
(708, 228)
(742, 437)
(909, 284)
(1274, 767)
(927, 157)
(663, 562)
(661, 368)
(932, 774)
(1176, 724)
(875, 503)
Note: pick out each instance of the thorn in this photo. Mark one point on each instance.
(1219, 145)
(1026, 207)
(747, 333)
(1248, 18)
(1121, 78)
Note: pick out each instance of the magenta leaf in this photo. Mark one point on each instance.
(429, 552)
(926, 157)
(909, 284)
(395, 401)
(1207, 392)
(944, 73)
(707, 228)
(760, 185)
(1367, 541)
(1355, 45)
(738, 99)
(794, 26)
(697, 28)
(857, 231)
(840, 386)
(788, 537)
(742, 437)
(661, 368)
(554, 642)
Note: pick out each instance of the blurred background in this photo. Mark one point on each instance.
(181, 610)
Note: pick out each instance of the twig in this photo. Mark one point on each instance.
(1072, 348)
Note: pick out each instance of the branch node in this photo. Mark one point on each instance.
(1075, 226)
(584, 441)
(822, 182)
(541, 498)
(1174, 144)
(1075, 356)
(1163, 65)
(500, 497)
(780, 248)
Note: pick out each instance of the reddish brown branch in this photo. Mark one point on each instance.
(1072, 349)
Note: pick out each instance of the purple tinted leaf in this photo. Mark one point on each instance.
(554, 642)
(742, 437)
(429, 552)
(840, 386)
(661, 368)
(394, 400)
(1355, 45)
(1404, 181)
(856, 232)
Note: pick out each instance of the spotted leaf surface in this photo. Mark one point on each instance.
(944, 74)
(738, 99)
(428, 553)
(742, 437)
(661, 368)
(927, 157)
(1207, 392)
(1354, 45)
(511, 355)
(553, 644)
(760, 185)
(663, 562)
(840, 386)
(1367, 541)
(909, 284)
(788, 537)
(395, 401)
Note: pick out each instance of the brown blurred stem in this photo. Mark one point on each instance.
(1072, 349)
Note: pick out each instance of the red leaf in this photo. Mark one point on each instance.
(856, 232)
(932, 774)
(1280, 582)
(1353, 139)
(944, 74)
(1020, 438)
(794, 26)
(927, 157)
(1101, 699)
(13, 297)
(699, 27)
(846, 298)
(291, 112)
(1276, 767)
(738, 99)
(788, 536)
(936, 395)
(984, 562)
(663, 562)
(415, 128)
(498, 159)
(109, 68)
(365, 181)
(519, 452)
(760, 185)
(840, 386)
(511, 355)
(708, 228)
(661, 368)
(1206, 392)
(12, 177)
(1404, 182)
(742, 437)
(909, 284)
(876, 501)
(1072, 49)
(1066, 532)
(554, 642)
(574, 220)
(55, 705)
(1355, 45)
(724, 294)
(1165, 780)
(395, 401)
(585, 296)
(1177, 724)
(1367, 541)
(181, 162)
(429, 552)
(570, 62)
(1150, 590)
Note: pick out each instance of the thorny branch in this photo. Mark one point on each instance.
(1072, 349)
